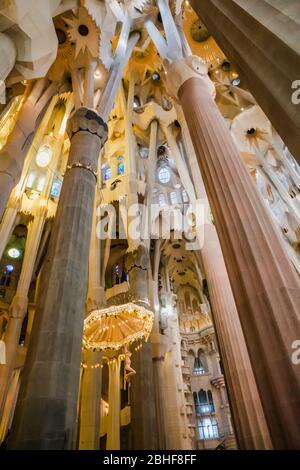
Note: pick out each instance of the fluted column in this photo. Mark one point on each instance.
(250, 423)
(268, 60)
(18, 308)
(252, 431)
(114, 402)
(47, 408)
(90, 399)
(264, 283)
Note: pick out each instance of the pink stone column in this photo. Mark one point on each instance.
(250, 423)
(264, 283)
(249, 419)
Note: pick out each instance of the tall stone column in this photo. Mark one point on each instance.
(158, 382)
(18, 308)
(264, 283)
(114, 403)
(176, 424)
(46, 412)
(8, 222)
(269, 71)
(90, 399)
(160, 344)
(143, 418)
(251, 428)
(91, 378)
(250, 423)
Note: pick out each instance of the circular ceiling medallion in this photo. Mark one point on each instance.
(83, 30)
(199, 31)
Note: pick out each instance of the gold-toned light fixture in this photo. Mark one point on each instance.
(117, 326)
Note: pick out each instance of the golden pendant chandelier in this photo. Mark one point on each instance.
(117, 326)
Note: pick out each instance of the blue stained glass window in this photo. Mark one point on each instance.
(121, 168)
(56, 187)
(107, 173)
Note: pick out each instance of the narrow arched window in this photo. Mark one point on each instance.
(121, 168)
(162, 200)
(185, 197)
(173, 197)
(107, 173)
(210, 401)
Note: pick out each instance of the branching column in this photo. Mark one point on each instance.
(47, 408)
(264, 283)
(13, 153)
(18, 308)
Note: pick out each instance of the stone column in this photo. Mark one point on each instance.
(90, 399)
(159, 345)
(114, 403)
(12, 155)
(158, 381)
(269, 71)
(251, 428)
(143, 418)
(252, 431)
(91, 378)
(264, 283)
(8, 222)
(176, 424)
(47, 408)
(18, 308)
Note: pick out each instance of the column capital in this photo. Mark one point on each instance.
(85, 121)
(88, 120)
(182, 70)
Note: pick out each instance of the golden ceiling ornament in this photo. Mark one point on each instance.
(143, 61)
(114, 327)
(199, 31)
(83, 32)
(200, 41)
